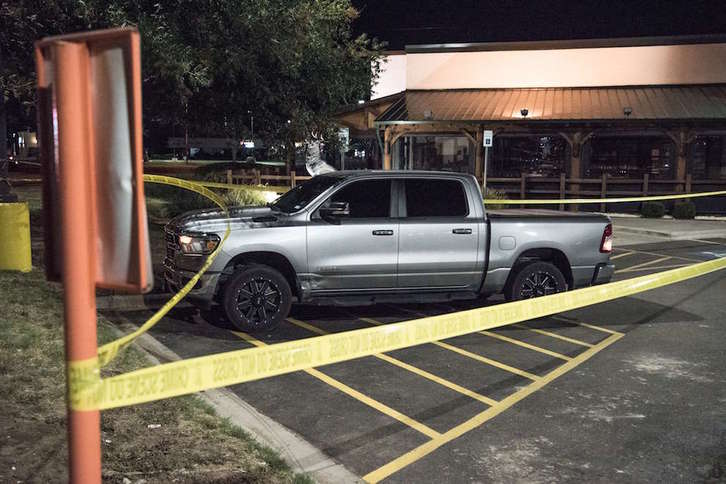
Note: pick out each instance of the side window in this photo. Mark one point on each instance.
(435, 198)
(366, 198)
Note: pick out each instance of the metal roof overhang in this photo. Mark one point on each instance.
(559, 105)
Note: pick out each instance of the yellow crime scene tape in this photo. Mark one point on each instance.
(107, 352)
(88, 391)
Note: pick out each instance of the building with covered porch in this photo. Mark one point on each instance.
(570, 118)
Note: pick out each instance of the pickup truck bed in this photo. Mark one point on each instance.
(584, 231)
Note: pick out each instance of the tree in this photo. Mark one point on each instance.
(292, 64)
(208, 64)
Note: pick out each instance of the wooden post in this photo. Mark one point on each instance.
(688, 183)
(479, 160)
(603, 190)
(646, 176)
(387, 148)
(563, 190)
(522, 187)
(229, 177)
(681, 159)
(292, 179)
(575, 166)
(258, 176)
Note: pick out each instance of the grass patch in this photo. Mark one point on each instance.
(174, 440)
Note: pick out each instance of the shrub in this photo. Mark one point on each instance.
(157, 209)
(492, 194)
(244, 197)
(684, 209)
(652, 209)
(165, 201)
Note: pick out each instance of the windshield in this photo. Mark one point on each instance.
(300, 196)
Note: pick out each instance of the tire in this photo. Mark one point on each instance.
(257, 298)
(534, 280)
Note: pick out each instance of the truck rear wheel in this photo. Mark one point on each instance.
(257, 298)
(534, 280)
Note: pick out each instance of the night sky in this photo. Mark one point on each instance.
(401, 23)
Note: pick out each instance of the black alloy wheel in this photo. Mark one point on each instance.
(538, 284)
(534, 280)
(257, 298)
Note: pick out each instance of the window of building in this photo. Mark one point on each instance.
(514, 156)
(707, 158)
(439, 153)
(629, 157)
(366, 198)
(435, 198)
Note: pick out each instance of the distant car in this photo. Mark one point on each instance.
(363, 237)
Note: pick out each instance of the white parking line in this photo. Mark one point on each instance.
(621, 255)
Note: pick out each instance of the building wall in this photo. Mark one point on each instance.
(604, 66)
(392, 76)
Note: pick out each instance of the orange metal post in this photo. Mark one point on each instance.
(78, 248)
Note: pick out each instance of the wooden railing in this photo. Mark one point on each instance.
(257, 177)
(528, 186)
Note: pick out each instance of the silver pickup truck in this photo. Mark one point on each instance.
(363, 237)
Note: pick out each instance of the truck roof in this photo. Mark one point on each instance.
(432, 174)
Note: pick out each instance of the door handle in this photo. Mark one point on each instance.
(461, 231)
(383, 232)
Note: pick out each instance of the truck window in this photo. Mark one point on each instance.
(300, 196)
(435, 198)
(366, 198)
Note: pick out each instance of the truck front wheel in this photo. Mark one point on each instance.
(257, 298)
(535, 279)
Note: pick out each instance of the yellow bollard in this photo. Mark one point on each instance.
(15, 237)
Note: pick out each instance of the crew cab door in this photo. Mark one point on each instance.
(358, 251)
(439, 241)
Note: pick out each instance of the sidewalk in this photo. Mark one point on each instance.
(670, 228)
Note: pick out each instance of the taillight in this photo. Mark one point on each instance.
(606, 245)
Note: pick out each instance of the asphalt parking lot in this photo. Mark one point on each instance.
(632, 390)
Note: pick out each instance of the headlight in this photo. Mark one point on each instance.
(198, 244)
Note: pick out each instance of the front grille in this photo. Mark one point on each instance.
(172, 247)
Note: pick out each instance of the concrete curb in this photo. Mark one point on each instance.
(672, 235)
(302, 456)
(135, 302)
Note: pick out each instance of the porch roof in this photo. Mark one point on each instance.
(688, 102)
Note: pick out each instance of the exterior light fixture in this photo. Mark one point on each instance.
(428, 114)
(524, 112)
(627, 110)
(361, 101)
